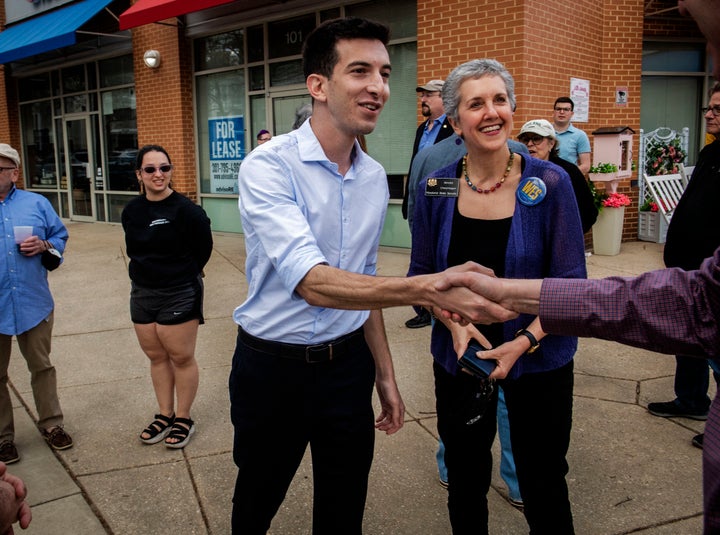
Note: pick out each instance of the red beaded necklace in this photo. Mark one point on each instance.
(497, 185)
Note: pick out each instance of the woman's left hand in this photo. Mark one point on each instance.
(506, 355)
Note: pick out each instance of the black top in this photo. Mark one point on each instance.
(483, 241)
(168, 241)
(583, 195)
(694, 232)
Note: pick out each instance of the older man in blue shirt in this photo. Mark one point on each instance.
(26, 304)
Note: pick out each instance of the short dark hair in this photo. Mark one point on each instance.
(319, 51)
(149, 148)
(262, 133)
(567, 100)
(715, 89)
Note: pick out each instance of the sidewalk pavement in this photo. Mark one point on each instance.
(630, 472)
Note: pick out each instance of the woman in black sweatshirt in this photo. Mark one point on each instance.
(168, 241)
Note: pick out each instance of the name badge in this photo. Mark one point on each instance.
(531, 191)
(442, 187)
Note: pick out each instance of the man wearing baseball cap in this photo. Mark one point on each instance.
(434, 129)
(26, 304)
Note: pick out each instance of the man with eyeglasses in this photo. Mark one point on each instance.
(431, 131)
(574, 143)
(693, 235)
(26, 304)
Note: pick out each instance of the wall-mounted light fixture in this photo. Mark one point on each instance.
(152, 59)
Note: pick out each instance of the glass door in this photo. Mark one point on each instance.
(284, 107)
(79, 162)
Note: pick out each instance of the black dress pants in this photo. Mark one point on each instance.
(278, 406)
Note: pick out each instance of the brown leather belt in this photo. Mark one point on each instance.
(311, 354)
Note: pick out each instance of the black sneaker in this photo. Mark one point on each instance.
(671, 409)
(8, 453)
(697, 440)
(421, 320)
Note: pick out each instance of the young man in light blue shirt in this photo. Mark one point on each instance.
(573, 143)
(311, 337)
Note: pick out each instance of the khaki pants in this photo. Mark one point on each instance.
(35, 347)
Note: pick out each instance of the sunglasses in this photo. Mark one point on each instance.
(150, 170)
(536, 140)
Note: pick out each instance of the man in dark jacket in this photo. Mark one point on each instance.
(692, 236)
(432, 130)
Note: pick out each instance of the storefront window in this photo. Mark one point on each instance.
(257, 78)
(35, 87)
(116, 71)
(73, 79)
(255, 44)
(286, 37)
(286, 73)
(119, 123)
(76, 104)
(221, 130)
(38, 145)
(217, 51)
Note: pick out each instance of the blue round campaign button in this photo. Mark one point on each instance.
(531, 191)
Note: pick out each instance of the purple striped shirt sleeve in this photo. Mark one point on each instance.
(669, 311)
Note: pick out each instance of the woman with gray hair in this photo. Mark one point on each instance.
(517, 216)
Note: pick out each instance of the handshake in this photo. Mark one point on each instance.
(470, 293)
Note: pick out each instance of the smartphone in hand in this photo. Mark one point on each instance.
(475, 365)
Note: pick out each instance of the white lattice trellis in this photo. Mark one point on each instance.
(660, 136)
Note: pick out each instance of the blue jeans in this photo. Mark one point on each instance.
(278, 406)
(692, 380)
(507, 461)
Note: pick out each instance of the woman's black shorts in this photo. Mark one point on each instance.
(167, 306)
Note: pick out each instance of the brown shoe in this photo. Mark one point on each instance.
(8, 453)
(57, 438)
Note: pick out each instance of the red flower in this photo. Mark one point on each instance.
(616, 200)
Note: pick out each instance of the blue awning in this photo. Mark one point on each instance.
(47, 32)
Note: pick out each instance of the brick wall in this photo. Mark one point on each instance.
(544, 44)
(164, 100)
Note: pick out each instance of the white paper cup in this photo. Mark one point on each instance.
(22, 233)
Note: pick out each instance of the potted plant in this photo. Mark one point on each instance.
(651, 224)
(605, 172)
(607, 230)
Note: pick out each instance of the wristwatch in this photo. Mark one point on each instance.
(534, 344)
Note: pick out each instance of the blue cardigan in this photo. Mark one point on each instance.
(546, 240)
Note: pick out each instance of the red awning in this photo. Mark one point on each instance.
(148, 11)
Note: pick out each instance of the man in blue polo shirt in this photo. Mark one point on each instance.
(574, 145)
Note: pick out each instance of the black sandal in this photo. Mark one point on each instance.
(158, 429)
(182, 429)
